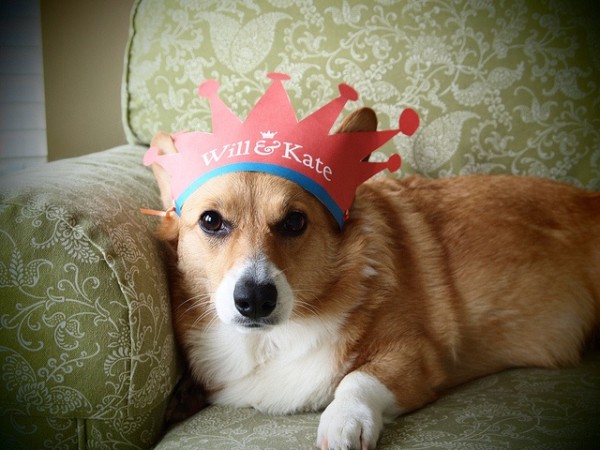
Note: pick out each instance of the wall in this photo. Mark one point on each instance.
(22, 122)
(84, 45)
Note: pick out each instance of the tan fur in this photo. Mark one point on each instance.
(437, 281)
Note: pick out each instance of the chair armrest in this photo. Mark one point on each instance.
(87, 350)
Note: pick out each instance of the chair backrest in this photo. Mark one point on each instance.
(503, 88)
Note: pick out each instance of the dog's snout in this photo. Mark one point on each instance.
(255, 300)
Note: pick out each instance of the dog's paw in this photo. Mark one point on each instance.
(188, 398)
(355, 417)
(349, 424)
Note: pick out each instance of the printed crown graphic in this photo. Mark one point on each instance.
(272, 140)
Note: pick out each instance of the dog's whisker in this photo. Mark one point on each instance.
(306, 306)
(192, 305)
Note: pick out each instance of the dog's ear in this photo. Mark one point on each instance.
(363, 119)
(168, 229)
(165, 145)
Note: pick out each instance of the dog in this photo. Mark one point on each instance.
(431, 283)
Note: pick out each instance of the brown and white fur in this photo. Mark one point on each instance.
(429, 284)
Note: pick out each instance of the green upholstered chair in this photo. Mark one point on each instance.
(87, 354)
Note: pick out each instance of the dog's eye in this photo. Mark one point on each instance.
(293, 224)
(211, 222)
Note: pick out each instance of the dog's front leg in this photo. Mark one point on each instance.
(355, 417)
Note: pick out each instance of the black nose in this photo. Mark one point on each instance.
(254, 300)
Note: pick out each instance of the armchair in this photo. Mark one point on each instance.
(87, 353)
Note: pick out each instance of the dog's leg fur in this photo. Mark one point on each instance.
(188, 398)
(355, 418)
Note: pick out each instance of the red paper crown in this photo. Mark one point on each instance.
(271, 140)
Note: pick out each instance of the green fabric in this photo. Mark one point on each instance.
(87, 353)
(86, 346)
(508, 86)
(516, 409)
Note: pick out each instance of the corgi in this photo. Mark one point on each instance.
(430, 283)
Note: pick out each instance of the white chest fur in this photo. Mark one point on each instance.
(291, 368)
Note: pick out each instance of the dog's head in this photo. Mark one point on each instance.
(254, 248)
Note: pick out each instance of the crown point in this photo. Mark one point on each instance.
(408, 122)
(394, 162)
(278, 76)
(208, 89)
(347, 92)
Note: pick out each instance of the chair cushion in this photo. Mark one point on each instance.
(503, 89)
(523, 408)
(87, 352)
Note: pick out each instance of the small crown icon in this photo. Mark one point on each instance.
(330, 166)
(268, 134)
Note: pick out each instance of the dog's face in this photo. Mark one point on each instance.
(258, 246)
(253, 249)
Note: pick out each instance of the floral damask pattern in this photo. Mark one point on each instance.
(85, 331)
(501, 86)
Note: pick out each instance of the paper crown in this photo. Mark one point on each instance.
(271, 140)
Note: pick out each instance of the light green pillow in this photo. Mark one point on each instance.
(507, 87)
(87, 352)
